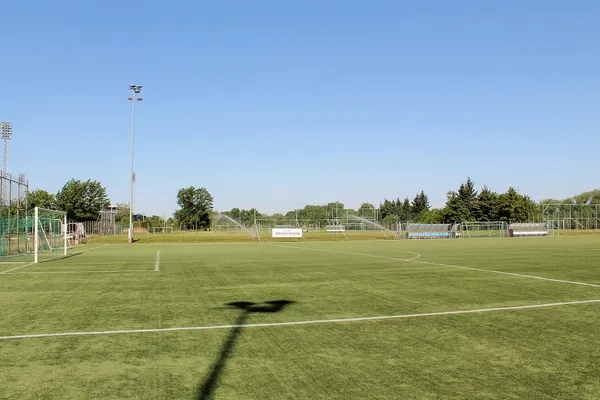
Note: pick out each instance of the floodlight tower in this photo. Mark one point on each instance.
(6, 128)
(135, 89)
(6, 135)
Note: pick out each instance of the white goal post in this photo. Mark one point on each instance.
(50, 232)
(162, 229)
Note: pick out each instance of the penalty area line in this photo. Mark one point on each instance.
(157, 264)
(93, 248)
(16, 268)
(292, 323)
(31, 263)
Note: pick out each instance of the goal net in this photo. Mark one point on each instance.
(50, 233)
(162, 229)
(483, 229)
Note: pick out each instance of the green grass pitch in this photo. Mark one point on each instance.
(249, 351)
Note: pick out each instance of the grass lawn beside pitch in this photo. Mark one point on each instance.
(533, 353)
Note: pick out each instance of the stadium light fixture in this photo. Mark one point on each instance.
(6, 133)
(6, 128)
(136, 89)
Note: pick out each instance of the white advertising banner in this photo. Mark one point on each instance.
(286, 233)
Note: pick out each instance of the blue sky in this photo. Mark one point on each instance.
(276, 104)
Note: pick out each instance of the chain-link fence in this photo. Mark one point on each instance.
(576, 218)
(15, 223)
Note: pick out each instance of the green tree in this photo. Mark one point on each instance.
(235, 213)
(155, 221)
(40, 198)
(335, 209)
(122, 216)
(455, 209)
(591, 197)
(514, 207)
(434, 216)
(406, 210)
(392, 211)
(196, 206)
(311, 214)
(82, 200)
(367, 210)
(486, 206)
(461, 205)
(419, 205)
(387, 209)
(468, 196)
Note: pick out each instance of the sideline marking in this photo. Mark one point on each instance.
(105, 271)
(157, 265)
(307, 322)
(446, 265)
(93, 248)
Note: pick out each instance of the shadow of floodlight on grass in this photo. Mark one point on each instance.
(211, 382)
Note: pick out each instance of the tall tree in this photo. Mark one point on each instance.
(468, 196)
(460, 206)
(434, 216)
(82, 200)
(196, 205)
(335, 210)
(591, 197)
(455, 209)
(514, 207)
(235, 213)
(406, 211)
(122, 215)
(387, 208)
(486, 206)
(40, 198)
(367, 210)
(420, 204)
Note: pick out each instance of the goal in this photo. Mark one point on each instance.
(50, 233)
(162, 229)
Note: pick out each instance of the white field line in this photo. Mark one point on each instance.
(31, 263)
(493, 271)
(16, 268)
(157, 264)
(93, 248)
(13, 262)
(291, 323)
(416, 255)
(105, 271)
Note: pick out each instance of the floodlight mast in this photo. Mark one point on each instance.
(6, 135)
(6, 132)
(136, 89)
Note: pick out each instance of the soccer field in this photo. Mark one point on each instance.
(447, 319)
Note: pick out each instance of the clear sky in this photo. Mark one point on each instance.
(276, 104)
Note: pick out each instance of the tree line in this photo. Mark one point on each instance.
(83, 201)
(464, 204)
